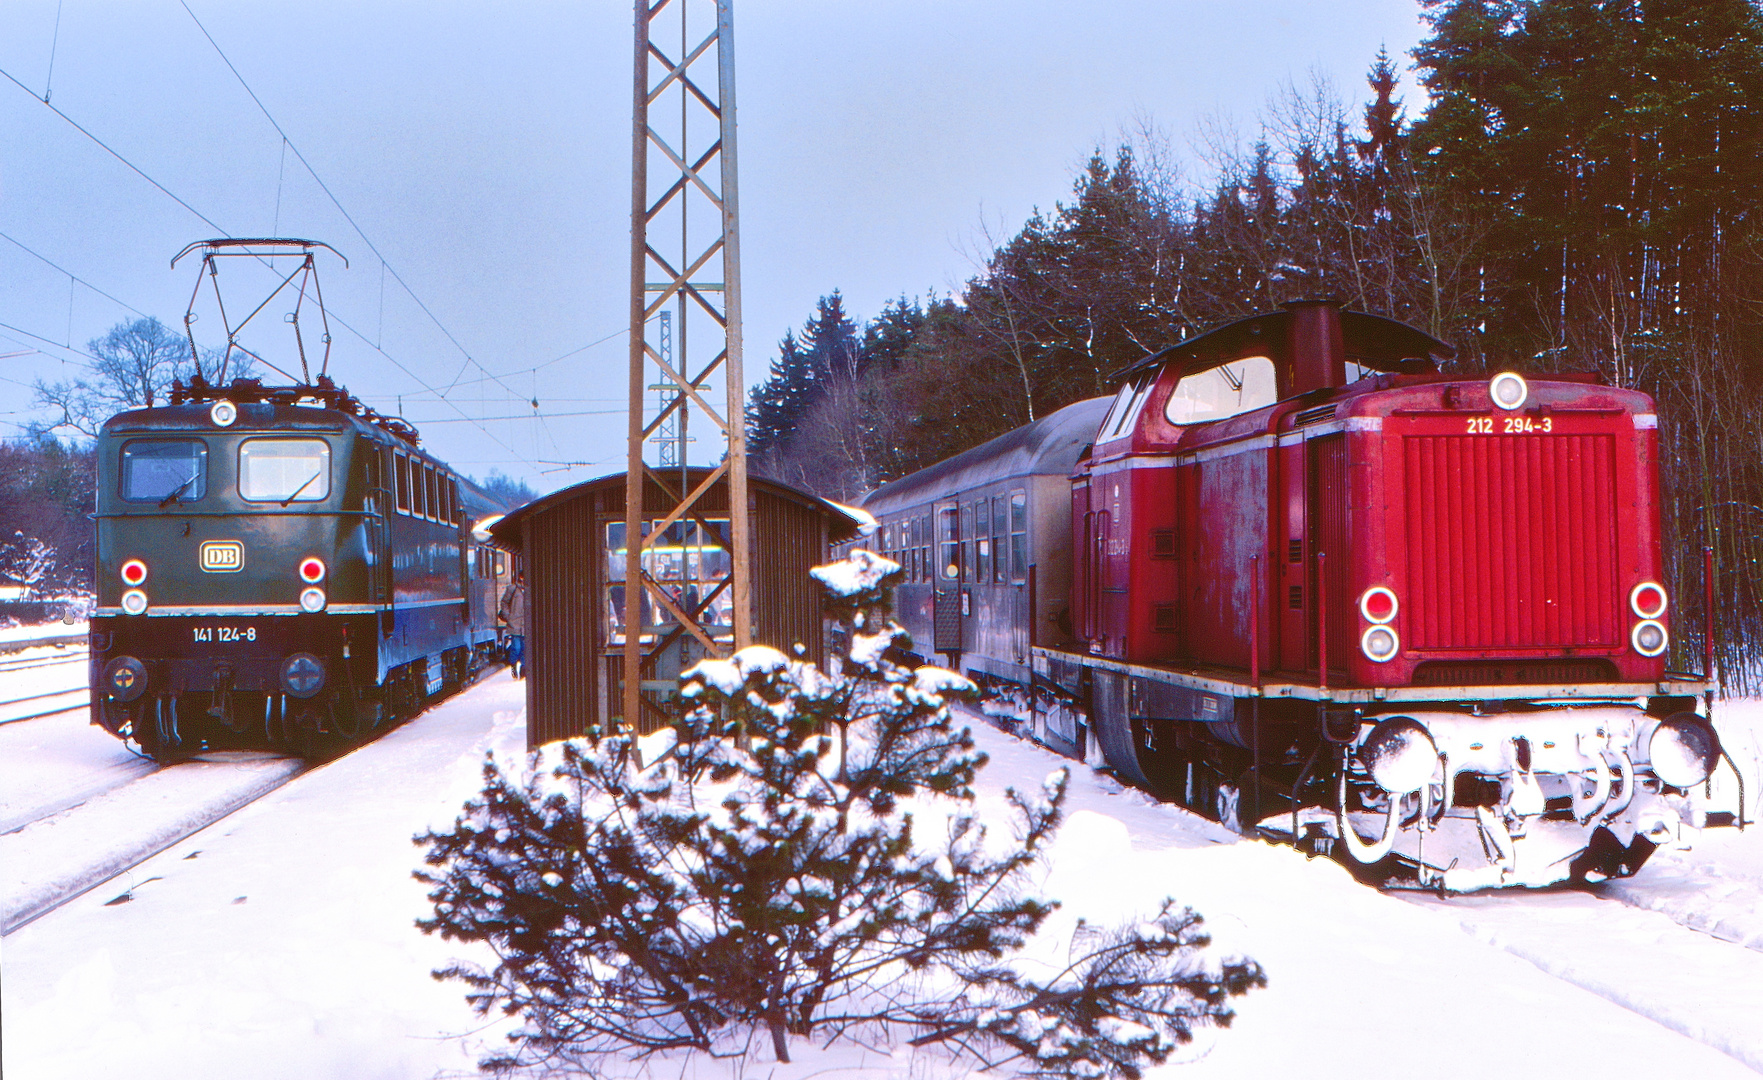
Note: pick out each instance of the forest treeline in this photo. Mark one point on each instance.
(1581, 192)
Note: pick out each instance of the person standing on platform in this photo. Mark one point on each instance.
(513, 615)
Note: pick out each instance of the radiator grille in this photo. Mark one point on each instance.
(1516, 672)
(1511, 541)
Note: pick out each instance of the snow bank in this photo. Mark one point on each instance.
(278, 943)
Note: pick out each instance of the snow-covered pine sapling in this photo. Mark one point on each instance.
(766, 872)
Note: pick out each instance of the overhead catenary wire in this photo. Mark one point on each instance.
(75, 277)
(385, 263)
(211, 223)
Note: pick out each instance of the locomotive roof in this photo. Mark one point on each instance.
(1369, 340)
(253, 417)
(1048, 447)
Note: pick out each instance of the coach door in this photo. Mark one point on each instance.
(947, 587)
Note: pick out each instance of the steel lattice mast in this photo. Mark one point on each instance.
(684, 197)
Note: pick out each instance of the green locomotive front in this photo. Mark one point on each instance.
(279, 569)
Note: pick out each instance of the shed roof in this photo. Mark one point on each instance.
(507, 530)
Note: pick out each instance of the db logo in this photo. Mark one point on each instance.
(222, 556)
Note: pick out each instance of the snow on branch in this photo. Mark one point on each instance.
(806, 861)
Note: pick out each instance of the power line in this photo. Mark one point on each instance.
(384, 262)
(213, 225)
(75, 277)
(106, 147)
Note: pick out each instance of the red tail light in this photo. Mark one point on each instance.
(134, 573)
(312, 570)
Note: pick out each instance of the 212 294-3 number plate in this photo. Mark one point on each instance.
(1510, 425)
(224, 633)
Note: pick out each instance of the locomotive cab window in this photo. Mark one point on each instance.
(1124, 414)
(1227, 390)
(401, 477)
(164, 470)
(284, 470)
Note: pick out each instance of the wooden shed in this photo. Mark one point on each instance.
(571, 546)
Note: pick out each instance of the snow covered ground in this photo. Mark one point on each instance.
(279, 943)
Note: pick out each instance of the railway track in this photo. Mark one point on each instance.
(68, 663)
(76, 840)
(1688, 978)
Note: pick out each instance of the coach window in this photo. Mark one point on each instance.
(1226, 390)
(164, 470)
(982, 569)
(949, 535)
(284, 470)
(1018, 536)
(1000, 540)
(967, 515)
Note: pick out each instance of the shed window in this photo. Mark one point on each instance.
(1018, 536)
(689, 562)
(1227, 390)
(284, 470)
(164, 470)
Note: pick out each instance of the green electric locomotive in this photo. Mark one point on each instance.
(281, 568)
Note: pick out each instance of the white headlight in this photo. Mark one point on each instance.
(1683, 749)
(312, 600)
(134, 601)
(1380, 643)
(1400, 755)
(1508, 389)
(1649, 638)
(223, 413)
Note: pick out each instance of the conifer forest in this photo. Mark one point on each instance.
(1581, 190)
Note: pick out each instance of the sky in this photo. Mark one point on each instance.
(480, 155)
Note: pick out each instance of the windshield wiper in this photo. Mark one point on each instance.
(302, 487)
(176, 491)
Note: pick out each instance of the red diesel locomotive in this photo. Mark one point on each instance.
(1298, 579)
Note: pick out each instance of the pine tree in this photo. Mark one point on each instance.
(765, 873)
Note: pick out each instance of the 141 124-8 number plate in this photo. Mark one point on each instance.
(224, 633)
